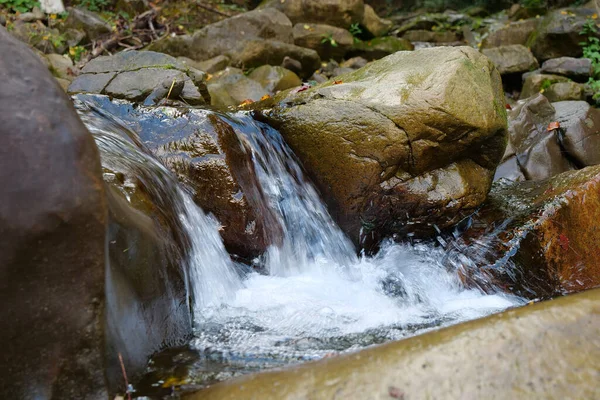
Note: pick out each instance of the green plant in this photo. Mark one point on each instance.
(95, 5)
(77, 52)
(19, 5)
(329, 39)
(591, 50)
(355, 29)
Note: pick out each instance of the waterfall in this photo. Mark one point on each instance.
(319, 296)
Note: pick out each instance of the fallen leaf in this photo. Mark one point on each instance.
(563, 241)
(246, 102)
(552, 126)
(265, 97)
(338, 82)
(508, 107)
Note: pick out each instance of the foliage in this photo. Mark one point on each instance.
(19, 5)
(546, 83)
(95, 5)
(591, 50)
(355, 30)
(329, 39)
(77, 52)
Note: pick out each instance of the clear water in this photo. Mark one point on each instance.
(318, 297)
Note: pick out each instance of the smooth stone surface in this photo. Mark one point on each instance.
(512, 59)
(275, 79)
(231, 88)
(548, 350)
(517, 32)
(417, 133)
(329, 41)
(53, 246)
(340, 13)
(374, 24)
(534, 83)
(380, 47)
(581, 124)
(562, 91)
(575, 68)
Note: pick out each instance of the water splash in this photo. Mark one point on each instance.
(319, 296)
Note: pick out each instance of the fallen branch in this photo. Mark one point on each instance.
(125, 376)
(211, 9)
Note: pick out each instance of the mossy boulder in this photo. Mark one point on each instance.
(564, 91)
(535, 82)
(547, 350)
(402, 144)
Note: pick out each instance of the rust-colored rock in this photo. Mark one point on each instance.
(537, 239)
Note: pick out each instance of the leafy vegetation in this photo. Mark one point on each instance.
(329, 39)
(19, 5)
(591, 50)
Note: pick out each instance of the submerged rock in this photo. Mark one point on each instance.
(396, 147)
(134, 76)
(53, 249)
(537, 239)
(548, 350)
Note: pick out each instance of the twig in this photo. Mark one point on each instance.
(125, 376)
(207, 8)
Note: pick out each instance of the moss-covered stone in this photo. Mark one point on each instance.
(404, 143)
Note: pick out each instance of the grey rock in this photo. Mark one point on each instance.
(581, 125)
(563, 91)
(575, 68)
(512, 59)
(88, 22)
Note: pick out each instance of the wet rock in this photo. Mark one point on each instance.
(203, 150)
(540, 237)
(430, 36)
(134, 75)
(562, 91)
(328, 41)
(512, 59)
(395, 139)
(52, 252)
(380, 47)
(229, 36)
(549, 338)
(534, 83)
(509, 169)
(513, 33)
(580, 135)
(375, 25)
(232, 87)
(88, 22)
(558, 35)
(340, 13)
(274, 79)
(537, 150)
(260, 52)
(576, 68)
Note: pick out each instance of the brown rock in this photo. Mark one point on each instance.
(398, 138)
(375, 25)
(328, 41)
(340, 13)
(540, 237)
(512, 59)
(514, 33)
(534, 83)
(53, 249)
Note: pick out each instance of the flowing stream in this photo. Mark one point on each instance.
(318, 297)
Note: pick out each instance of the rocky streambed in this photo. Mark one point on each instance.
(278, 187)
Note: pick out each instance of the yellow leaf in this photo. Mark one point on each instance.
(595, 16)
(563, 12)
(307, 27)
(173, 381)
(52, 16)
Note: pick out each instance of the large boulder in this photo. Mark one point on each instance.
(535, 238)
(341, 13)
(227, 37)
(53, 247)
(512, 33)
(136, 75)
(559, 34)
(403, 144)
(546, 350)
(87, 21)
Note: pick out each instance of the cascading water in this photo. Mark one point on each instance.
(319, 296)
